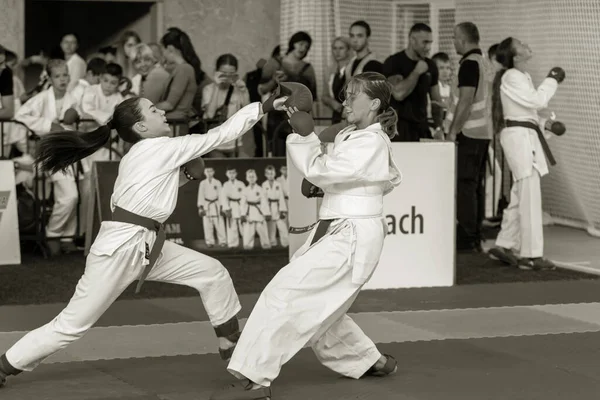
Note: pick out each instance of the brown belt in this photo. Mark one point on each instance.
(535, 127)
(121, 215)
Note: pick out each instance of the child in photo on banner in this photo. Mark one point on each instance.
(277, 208)
(285, 184)
(231, 198)
(255, 213)
(209, 209)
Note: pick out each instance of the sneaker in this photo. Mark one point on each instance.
(536, 264)
(503, 255)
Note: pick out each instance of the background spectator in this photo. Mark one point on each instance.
(336, 79)
(128, 41)
(185, 76)
(223, 98)
(292, 68)
(76, 65)
(151, 79)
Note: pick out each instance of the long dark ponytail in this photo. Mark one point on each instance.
(58, 150)
(181, 41)
(505, 56)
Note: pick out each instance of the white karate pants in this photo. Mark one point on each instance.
(306, 303)
(251, 228)
(281, 227)
(234, 230)
(212, 224)
(63, 220)
(522, 224)
(103, 281)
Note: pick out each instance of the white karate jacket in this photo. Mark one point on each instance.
(521, 102)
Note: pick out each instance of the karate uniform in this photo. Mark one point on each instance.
(255, 207)
(306, 302)
(522, 228)
(209, 193)
(147, 185)
(96, 105)
(277, 205)
(285, 184)
(38, 113)
(231, 198)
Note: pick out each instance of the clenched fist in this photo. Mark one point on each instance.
(421, 67)
(557, 73)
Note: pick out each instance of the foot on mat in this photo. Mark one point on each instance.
(242, 390)
(226, 353)
(504, 255)
(390, 367)
(536, 264)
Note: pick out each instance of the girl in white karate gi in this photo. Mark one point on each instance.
(144, 196)
(42, 114)
(515, 105)
(307, 301)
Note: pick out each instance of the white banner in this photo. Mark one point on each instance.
(10, 253)
(419, 250)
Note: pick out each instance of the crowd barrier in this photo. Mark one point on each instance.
(40, 188)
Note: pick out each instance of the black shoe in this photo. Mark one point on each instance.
(536, 264)
(503, 255)
(390, 367)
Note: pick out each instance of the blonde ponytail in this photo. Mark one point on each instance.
(388, 120)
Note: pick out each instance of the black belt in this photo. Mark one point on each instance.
(121, 215)
(321, 230)
(255, 204)
(535, 127)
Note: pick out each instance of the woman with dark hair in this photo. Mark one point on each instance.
(292, 68)
(307, 301)
(223, 98)
(515, 105)
(186, 74)
(129, 244)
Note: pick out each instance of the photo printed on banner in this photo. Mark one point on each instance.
(241, 204)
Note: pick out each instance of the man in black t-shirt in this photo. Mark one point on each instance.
(414, 77)
(6, 88)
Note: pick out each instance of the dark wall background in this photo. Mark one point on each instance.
(97, 23)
